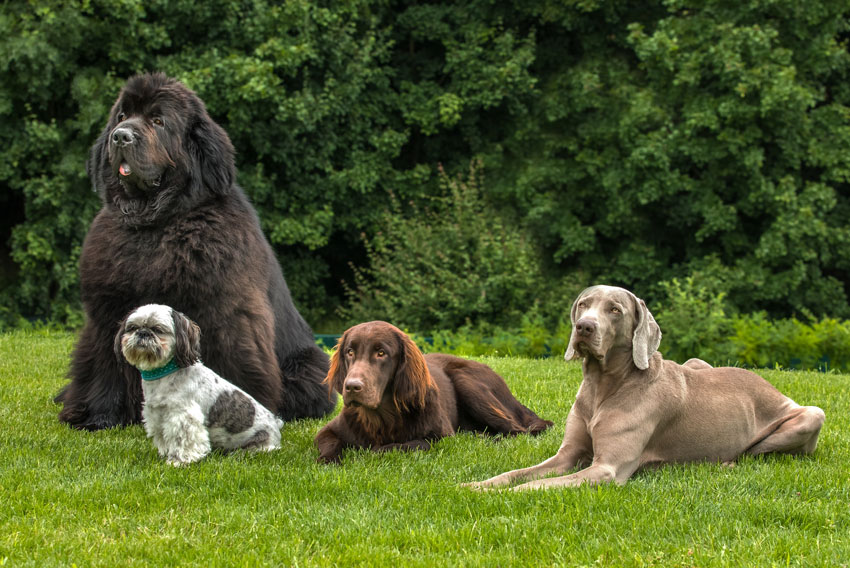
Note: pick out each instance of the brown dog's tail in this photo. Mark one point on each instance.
(486, 402)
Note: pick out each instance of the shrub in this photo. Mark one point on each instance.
(456, 264)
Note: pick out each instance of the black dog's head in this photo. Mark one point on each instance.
(160, 152)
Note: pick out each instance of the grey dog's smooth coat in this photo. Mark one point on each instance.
(635, 409)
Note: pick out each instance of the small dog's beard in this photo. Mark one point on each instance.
(145, 353)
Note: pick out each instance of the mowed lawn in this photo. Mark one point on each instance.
(106, 499)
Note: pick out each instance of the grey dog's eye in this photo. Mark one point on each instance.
(157, 121)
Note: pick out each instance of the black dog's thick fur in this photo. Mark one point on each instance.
(175, 229)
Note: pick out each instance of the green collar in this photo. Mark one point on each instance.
(156, 374)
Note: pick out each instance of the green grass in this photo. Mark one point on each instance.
(105, 499)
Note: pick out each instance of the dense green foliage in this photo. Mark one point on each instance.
(106, 498)
(626, 143)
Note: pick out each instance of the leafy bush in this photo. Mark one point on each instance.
(634, 142)
(693, 322)
(457, 263)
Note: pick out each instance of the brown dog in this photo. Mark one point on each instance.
(634, 409)
(396, 398)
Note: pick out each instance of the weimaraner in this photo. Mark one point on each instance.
(634, 409)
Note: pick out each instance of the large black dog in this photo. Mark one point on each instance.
(175, 229)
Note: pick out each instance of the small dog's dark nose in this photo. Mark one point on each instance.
(144, 333)
(586, 327)
(353, 385)
(122, 136)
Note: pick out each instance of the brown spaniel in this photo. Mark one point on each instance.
(396, 398)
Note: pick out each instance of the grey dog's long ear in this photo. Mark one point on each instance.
(187, 340)
(571, 352)
(647, 336)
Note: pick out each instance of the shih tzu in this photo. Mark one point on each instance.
(188, 409)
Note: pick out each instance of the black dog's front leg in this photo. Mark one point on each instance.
(104, 392)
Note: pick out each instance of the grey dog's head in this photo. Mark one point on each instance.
(607, 319)
(154, 334)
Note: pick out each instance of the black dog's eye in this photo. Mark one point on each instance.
(157, 121)
(121, 117)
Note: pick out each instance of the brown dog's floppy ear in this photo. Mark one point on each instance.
(647, 336)
(337, 370)
(412, 379)
(187, 340)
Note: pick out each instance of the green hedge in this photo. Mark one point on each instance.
(627, 143)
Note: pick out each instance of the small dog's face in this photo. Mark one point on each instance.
(154, 334)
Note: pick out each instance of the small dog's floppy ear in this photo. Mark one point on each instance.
(337, 370)
(412, 378)
(571, 352)
(118, 351)
(187, 340)
(647, 336)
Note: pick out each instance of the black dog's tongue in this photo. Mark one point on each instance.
(124, 169)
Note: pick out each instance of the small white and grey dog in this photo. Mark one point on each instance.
(188, 409)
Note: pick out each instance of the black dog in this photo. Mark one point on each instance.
(176, 229)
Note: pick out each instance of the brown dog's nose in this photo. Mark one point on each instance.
(353, 385)
(586, 327)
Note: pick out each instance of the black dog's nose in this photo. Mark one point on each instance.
(122, 136)
(586, 327)
(353, 385)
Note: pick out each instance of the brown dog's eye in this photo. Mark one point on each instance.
(157, 121)
(381, 353)
(349, 352)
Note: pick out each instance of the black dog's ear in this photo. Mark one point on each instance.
(336, 373)
(212, 156)
(95, 164)
(187, 340)
(412, 378)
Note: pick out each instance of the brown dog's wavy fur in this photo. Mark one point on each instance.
(424, 397)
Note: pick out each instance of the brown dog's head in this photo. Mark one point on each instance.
(375, 364)
(607, 319)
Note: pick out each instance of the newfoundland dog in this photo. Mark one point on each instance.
(176, 229)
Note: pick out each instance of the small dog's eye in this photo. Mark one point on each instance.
(157, 121)
(582, 305)
(131, 327)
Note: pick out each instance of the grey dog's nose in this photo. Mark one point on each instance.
(122, 136)
(353, 385)
(586, 327)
